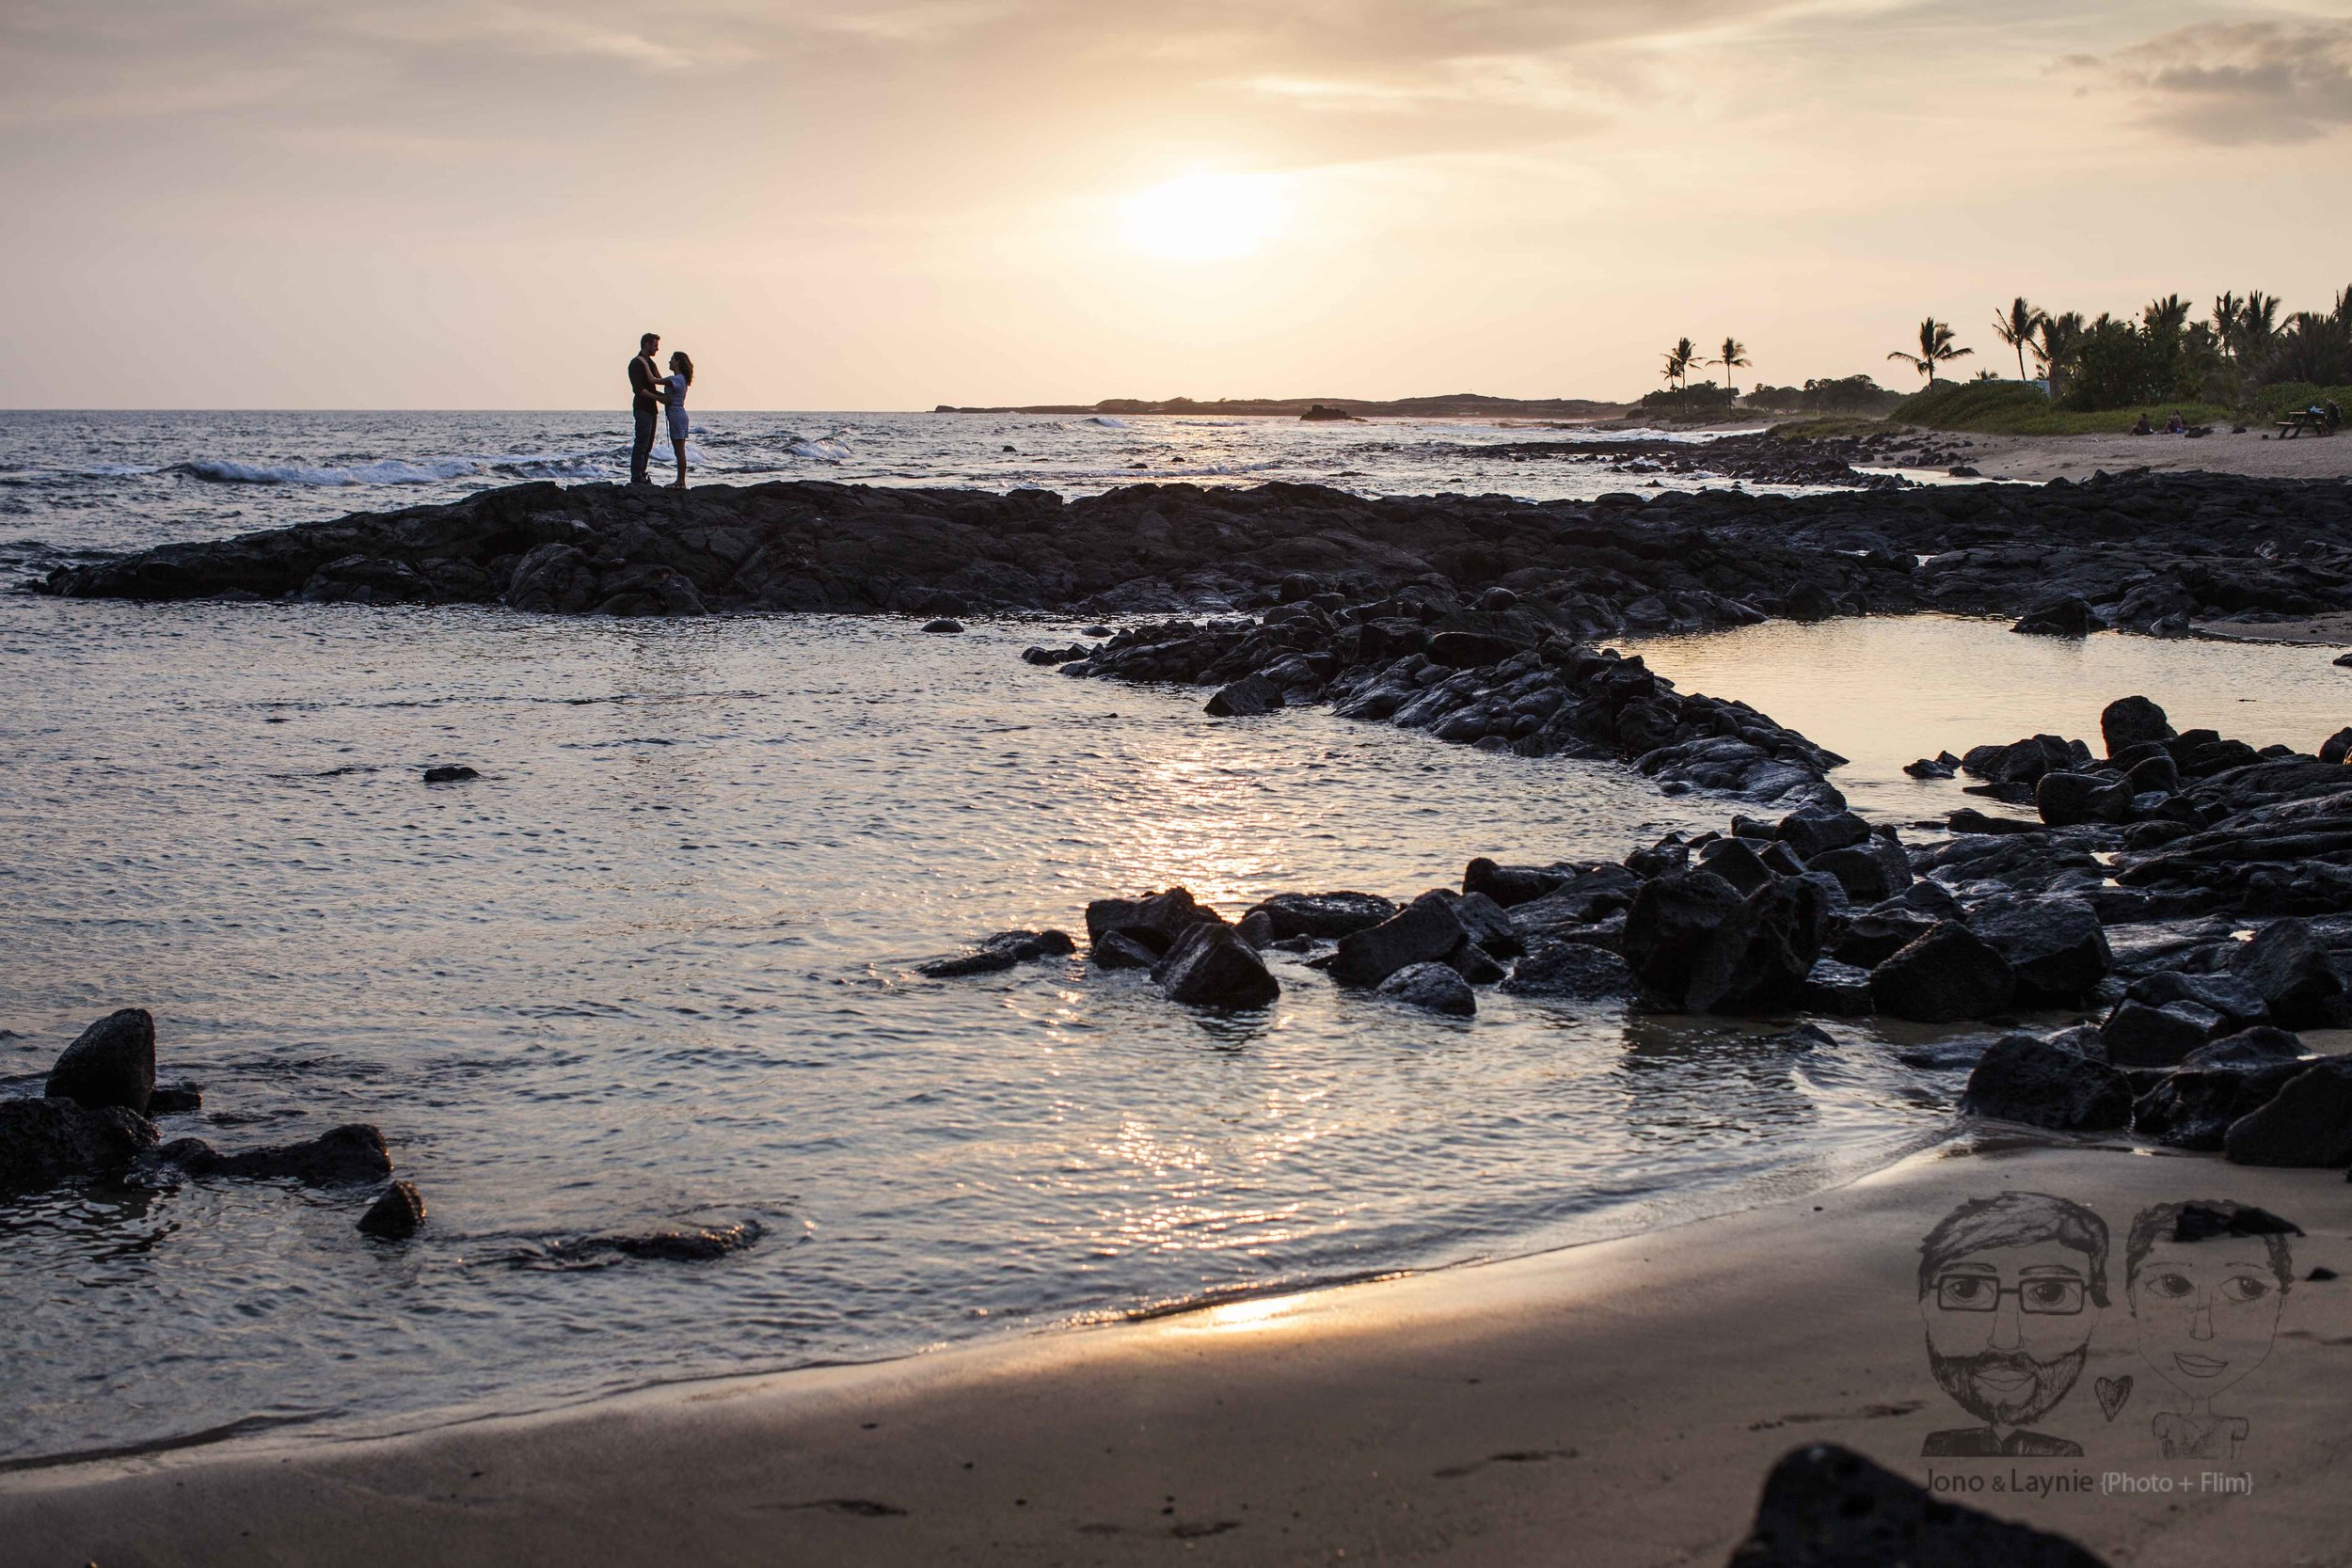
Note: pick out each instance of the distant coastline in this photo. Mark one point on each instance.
(1447, 405)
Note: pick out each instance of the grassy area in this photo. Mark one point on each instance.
(1827, 427)
(2013, 408)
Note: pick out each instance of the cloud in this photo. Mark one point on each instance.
(2234, 82)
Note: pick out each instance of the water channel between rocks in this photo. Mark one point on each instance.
(655, 966)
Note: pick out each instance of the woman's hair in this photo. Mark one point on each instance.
(683, 366)
(2198, 1219)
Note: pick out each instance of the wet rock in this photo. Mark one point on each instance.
(1571, 971)
(1489, 925)
(653, 1247)
(2137, 1035)
(1736, 863)
(2337, 747)
(1114, 950)
(2309, 1122)
(2024, 1078)
(2193, 1107)
(1256, 928)
(2293, 974)
(1511, 885)
(110, 1063)
(1931, 768)
(340, 1156)
(2260, 1046)
(1839, 990)
(1153, 922)
(1474, 964)
(43, 1142)
(366, 580)
(2131, 722)
(396, 1214)
(1669, 924)
(450, 773)
(1432, 985)
(1869, 872)
(1001, 952)
(2066, 617)
(2056, 947)
(1811, 833)
(1877, 934)
(172, 1100)
(1761, 953)
(944, 625)
(1949, 975)
(2237, 1004)
(1828, 1507)
(1210, 966)
(1246, 698)
(1326, 915)
(553, 580)
(1424, 932)
(2065, 799)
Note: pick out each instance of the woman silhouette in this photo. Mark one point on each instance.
(681, 376)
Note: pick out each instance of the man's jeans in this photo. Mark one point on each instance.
(640, 450)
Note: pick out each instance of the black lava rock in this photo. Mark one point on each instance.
(110, 1063)
(340, 1156)
(1153, 922)
(2131, 722)
(1424, 932)
(1436, 986)
(1327, 916)
(396, 1216)
(2042, 1083)
(46, 1141)
(999, 953)
(1828, 1507)
(450, 773)
(2309, 1122)
(2293, 974)
(1211, 966)
(944, 625)
(1947, 977)
(1572, 970)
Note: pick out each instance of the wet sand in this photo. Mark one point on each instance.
(2038, 459)
(1612, 1403)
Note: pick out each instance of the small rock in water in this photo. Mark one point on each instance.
(1211, 966)
(1432, 985)
(1328, 915)
(1095, 632)
(1929, 768)
(450, 773)
(2067, 617)
(340, 1156)
(171, 1100)
(945, 625)
(1424, 932)
(1572, 970)
(46, 1141)
(110, 1063)
(395, 1215)
(1001, 952)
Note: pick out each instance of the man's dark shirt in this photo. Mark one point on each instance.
(641, 384)
(1982, 1443)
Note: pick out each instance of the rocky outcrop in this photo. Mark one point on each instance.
(338, 1157)
(110, 1063)
(996, 954)
(43, 1142)
(395, 1217)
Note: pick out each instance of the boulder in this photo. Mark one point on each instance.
(1424, 932)
(650, 589)
(2024, 1078)
(1511, 885)
(2308, 1122)
(1947, 977)
(450, 773)
(1828, 1507)
(2069, 799)
(1759, 956)
(2132, 721)
(172, 1100)
(1327, 916)
(1245, 699)
(396, 1216)
(1115, 950)
(1870, 872)
(1737, 863)
(1474, 963)
(1153, 922)
(47, 1141)
(1211, 966)
(1489, 925)
(2137, 1035)
(1256, 928)
(1809, 832)
(1001, 952)
(944, 626)
(2194, 1107)
(2068, 617)
(1432, 985)
(2237, 1004)
(1839, 990)
(1670, 920)
(2336, 748)
(340, 1156)
(2257, 1047)
(1877, 934)
(2055, 946)
(1930, 767)
(110, 1063)
(1571, 971)
(2292, 972)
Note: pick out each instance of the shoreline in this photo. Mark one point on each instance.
(1476, 1414)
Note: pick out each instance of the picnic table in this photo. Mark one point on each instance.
(2303, 420)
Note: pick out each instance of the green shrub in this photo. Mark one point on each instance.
(2020, 408)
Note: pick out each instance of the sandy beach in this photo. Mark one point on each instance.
(1617, 1403)
(2038, 459)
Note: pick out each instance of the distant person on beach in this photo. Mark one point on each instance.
(2176, 424)
(644, 402)
(2144, 427)
(682, 377)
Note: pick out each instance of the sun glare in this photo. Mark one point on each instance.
(1204, 217)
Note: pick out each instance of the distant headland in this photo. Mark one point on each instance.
(1449, 405)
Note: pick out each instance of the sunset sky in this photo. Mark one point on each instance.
(344, 203)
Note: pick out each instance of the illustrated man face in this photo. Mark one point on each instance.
(2208, 1311)
(2010, 1290)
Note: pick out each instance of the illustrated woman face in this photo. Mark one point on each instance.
(2208, 1312)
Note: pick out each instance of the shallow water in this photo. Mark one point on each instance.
(655, 968)
(120, 480)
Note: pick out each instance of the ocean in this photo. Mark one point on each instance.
(655, 967)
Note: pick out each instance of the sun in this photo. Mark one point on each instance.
(1204, 217)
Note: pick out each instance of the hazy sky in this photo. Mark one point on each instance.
(430, 203)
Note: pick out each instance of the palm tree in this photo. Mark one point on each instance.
(1735, 357)
(2225, 322)
(1679, 360)
(1935, 348)
(2258, 324)
(2054, 342)
(2166, 317)
(2017, 327)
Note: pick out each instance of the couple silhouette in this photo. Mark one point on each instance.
(650, 393)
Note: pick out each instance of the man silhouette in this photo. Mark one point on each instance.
(2003, 1285)
(645, 379)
